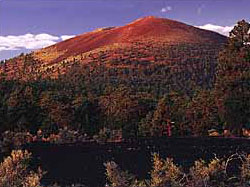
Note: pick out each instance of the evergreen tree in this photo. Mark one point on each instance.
(233, 78)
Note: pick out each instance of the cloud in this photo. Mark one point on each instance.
(5, 48)
(27, 41)
(166, 9)
(30, 41)
(66, 37)
(224, 30)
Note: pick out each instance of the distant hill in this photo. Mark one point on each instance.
(144, 30)
(148, 52)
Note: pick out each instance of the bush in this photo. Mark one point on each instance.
(15, 171)
(245, 171)
(116, 176)
(165, 173)
(14, 140)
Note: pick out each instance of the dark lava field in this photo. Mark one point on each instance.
(84, 163)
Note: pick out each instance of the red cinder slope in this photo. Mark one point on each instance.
(143, 30)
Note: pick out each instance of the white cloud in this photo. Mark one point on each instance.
(45, 36)
(166, 9)
(29, 41)
(66, 37)
(5, 48)
(224, 30)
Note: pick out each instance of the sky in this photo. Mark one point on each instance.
(27, 25)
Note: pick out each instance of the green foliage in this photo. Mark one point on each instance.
(239, 36)
(202, 113)
(46, 104)
(233, 78)
(119, 107)
(159, 117)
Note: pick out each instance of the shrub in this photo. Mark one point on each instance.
(166, 174)
(117, 177)
(245, 171)
(202, 174)
(16, 172)
(14, 140)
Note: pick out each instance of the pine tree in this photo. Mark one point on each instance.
(233, 78)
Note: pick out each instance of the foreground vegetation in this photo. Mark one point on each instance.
(165, 173)
(16, 171)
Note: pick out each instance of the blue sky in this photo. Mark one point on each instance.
(30, 24)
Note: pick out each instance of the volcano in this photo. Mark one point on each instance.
(149, 54)
(143, 30)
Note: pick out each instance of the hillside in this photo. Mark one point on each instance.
(149, 52)
(142, 30)
(130, 85)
